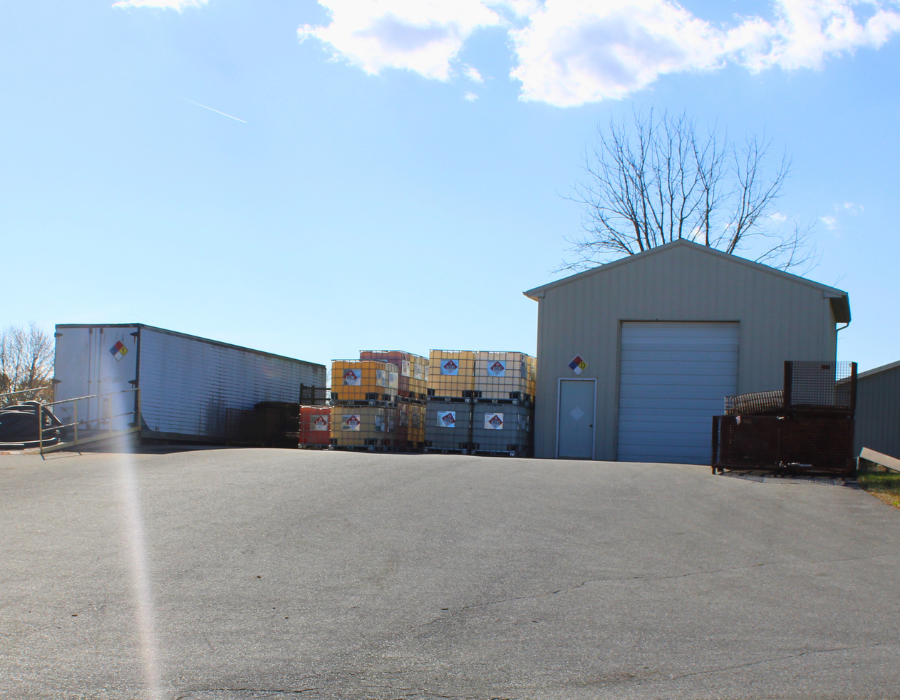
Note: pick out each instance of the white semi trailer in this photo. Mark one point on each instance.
(188, 385)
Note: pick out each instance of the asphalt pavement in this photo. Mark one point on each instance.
(274, 574)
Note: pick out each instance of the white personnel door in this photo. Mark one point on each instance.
(576, 419)
(674, 378)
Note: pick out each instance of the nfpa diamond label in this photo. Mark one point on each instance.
(118, 350)
(578, 365)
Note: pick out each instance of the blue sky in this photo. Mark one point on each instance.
(394, 173)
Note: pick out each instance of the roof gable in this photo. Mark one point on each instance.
(840, 301)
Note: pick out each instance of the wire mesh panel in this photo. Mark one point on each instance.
(502, 375)
(410, 434)
(363, 427)
(364, 380)
(820, 386)
(503, 428)
(448, 426)
(313, 395)
(532, 375)
(451, 373)
(413, 371)
(315, 426)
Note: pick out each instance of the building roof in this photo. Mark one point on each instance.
(840, 300)
(878, 370)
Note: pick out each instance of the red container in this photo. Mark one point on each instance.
(315, 425)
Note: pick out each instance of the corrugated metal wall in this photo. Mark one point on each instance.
(878, 411)
(187, 384)
(780, 318)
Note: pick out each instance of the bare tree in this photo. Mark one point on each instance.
(26, 360)
(656, 180)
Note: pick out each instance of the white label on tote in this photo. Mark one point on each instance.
(320, 423)
(449, 367)
(352, 377)
(446, 419)
(497, 368)
(493, 421)
(351, 422)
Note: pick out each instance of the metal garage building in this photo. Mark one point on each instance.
(878, 410)
(635, 356)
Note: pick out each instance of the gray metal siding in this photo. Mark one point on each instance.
(781, 318)
(878, 412)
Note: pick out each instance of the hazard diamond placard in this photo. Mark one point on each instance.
(450, 367)
(118, 350)
(578, 365)
(493, 421)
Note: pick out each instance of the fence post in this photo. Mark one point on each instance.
(40, 430)
(715, 443)
(788, 383)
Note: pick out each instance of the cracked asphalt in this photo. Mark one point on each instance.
(274, 574)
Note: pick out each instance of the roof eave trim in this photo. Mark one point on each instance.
(533, 293)
(840, 307)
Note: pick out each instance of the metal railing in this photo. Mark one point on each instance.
(90, 434)
(35, 392)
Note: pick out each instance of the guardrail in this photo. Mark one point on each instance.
(90, 434)
(35, 392)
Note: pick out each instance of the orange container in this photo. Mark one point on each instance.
(315, 425)
(360, 380)
(451, 373)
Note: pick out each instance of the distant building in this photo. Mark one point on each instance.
(878, 410)
(634, 357)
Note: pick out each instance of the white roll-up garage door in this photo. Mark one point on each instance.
(674, 377)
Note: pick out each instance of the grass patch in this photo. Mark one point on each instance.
(885, 486)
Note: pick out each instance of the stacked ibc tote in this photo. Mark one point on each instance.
(315, 418)
(378, 402)
(480, 402)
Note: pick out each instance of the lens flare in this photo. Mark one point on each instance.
(141, 580)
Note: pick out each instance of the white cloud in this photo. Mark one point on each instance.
(850, 208)
(161, 4)
(471, 96)
(578, 51)
(570, 52)
(473, 74)
(424, 36)
(829, 221)
(778, 216)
